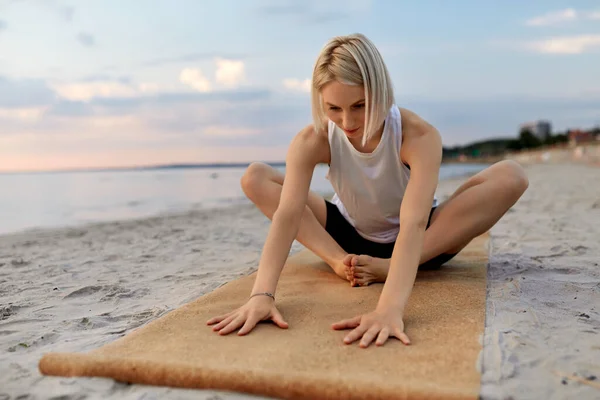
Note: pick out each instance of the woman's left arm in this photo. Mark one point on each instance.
(422, 150)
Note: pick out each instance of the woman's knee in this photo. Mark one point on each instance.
(254, 178)
(513, 179)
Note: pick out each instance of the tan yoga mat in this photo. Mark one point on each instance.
(444, 319)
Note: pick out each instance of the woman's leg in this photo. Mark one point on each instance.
(474, 208)
(263, 184)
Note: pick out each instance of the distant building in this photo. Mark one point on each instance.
(540, 129)
(577, 136)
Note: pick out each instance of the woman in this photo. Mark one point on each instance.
(384, 221)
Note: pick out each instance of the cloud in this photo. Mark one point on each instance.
(22, 114)
(24, 93)
(195, 79)
(83, 91)
(168, 99)
(86, 39)
(564, 45)
(553, 18)
(104, 86)
(297, 85)
(125, 104)
(230, 72)
(3, 25)
(561, 17)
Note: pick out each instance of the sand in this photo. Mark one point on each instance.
(75, 289)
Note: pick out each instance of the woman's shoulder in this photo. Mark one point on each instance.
(312, 142)
(413, 124)
(420, 139)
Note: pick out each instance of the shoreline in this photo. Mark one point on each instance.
(191, 211)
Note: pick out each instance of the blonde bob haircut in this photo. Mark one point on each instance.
(353, 60)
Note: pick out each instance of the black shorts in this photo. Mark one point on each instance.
(352, 242)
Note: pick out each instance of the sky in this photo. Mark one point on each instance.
(116, 83)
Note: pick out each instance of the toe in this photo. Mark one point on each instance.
(363, 260)
(348, 259)
(360, 282)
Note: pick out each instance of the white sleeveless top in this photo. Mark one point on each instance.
(369, 187)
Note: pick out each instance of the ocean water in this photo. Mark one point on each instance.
(58, 199)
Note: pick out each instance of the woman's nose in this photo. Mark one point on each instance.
(348, 122)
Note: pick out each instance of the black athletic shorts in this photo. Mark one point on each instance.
(352, 242)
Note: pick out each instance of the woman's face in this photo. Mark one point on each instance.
(345, 106)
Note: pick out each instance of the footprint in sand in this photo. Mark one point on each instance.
(19, 262)
(7, 311)
(580, 250)
(84, 291)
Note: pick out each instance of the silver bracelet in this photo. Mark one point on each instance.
(264, 294)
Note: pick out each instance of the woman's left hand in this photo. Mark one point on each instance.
(379, 325)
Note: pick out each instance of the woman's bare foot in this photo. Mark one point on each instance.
(342, 268)
(364, 270)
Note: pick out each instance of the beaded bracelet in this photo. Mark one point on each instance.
(264, 294)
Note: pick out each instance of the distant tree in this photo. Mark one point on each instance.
(528, 140)
(561, 138)
(555, 139)
(514, 145)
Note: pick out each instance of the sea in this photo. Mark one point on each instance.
(73, 198)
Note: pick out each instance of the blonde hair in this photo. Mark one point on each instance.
(353, 60)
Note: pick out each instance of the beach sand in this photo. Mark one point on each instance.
(76, 289)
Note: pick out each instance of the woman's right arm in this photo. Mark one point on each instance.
(301, 160)
(304, 153)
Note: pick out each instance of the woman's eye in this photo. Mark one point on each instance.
(359, 105)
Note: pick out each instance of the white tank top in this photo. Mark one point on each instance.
(369, 187)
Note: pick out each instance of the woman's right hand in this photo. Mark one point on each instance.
(256, 309)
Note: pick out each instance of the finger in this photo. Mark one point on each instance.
(382, 337)
(355, 334)
(347, 323)
(219, 318)
(278, 319)
(368, 336)
(248, 326)
(402, 336)
(221, 324)
(233, 325)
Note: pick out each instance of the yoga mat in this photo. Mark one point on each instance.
(444, 319)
